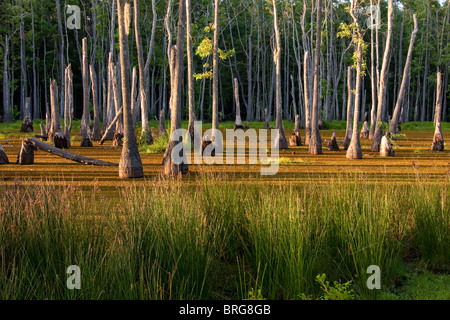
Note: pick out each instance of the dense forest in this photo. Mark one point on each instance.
(37, 44)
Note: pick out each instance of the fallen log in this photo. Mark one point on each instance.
(68, 155)
(26, 153)
(110, 128)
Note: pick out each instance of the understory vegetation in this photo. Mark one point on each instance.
(215, 240)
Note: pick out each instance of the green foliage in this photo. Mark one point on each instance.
(159, 145)
(255, 295)
(337, 291)
(205, 50)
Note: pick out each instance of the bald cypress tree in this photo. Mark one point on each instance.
(130, 165)
(315, 143)
(169, 166)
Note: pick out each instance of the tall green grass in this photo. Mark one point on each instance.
(213, 239)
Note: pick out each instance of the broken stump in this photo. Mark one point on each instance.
(332, 144)
(386, 148)
(295, 139)
(26, 153)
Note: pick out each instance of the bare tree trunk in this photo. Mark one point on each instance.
(250, 70)
(438, 139)
(354, 150)
(315, 143)
(26, 153)
(162, 123)
(307, 100)
(405, 80)
(294, 103)
(68, 104)
(134, 103)
(104, 104)
(374, 84)
(238, 121)
(130, 165)
(23, 70)
(119, 132)
(170, 167)
(36, 111)
(215, 103)
(280, 140)
(146, 134)
(61, 55)
(190, 71)
(350, 107)
(6, 98)
(55, 133)
(147, 62)
(381, 108)
(266, 119)
(85, 126)
(111, 127)
(96, 135)
(425, 75)
(27, 124)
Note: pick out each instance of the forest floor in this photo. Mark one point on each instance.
(296, 166)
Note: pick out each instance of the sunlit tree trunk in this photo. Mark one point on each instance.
(405, 80)
(315, 143)
(280, 141)
(169, 166)
(383, 82)
(190, 70)
(130, 165)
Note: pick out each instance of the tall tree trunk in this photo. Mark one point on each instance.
(61, 55)
(315, 143)
(238, 121)
(405, 80)
(438, 140)
(190, 70)
(55, 133)
(250, 71)
(146, 134)
(354, 150)
(96, 134)
(149, 57)
(36, 110)
(23, 70)
(130, 165)
(215, 96)
(6, 98)
(350, 108)
(307, 100)
(169, 166)
(280, 140)
(425, 75)
(68, 104)
(85, 127)
(381, 108)
(373, 83)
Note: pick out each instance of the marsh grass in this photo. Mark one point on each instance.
(214, 240)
